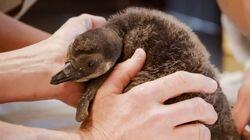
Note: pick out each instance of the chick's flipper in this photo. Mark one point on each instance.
(86, 101)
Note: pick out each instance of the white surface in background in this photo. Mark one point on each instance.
(230, 84)
(50, 114)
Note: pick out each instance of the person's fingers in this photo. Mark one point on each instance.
(98, 21)
(70, 93)
(193, 132)
(73, 27)
(123, 73)
(77, 25)
(246, 135)
(72, 99)
(195, 109)
(174, 85)
(240, 116)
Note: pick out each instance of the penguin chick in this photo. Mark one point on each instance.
(170, 46)
(89, 56)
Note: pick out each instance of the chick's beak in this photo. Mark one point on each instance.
(69, 73)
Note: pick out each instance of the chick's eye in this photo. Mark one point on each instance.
(91, 63)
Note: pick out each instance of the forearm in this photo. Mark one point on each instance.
(238, 12)
(18, 132)
(15, 34)
(25, 75)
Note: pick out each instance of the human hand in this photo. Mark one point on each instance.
(25, 73)
(141, 114)
(70, 92)
(246, 135)
(241, 110)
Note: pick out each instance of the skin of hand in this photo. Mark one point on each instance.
(139, 113)
(241, 110)
(25, 73)
(238, 12)
(246, 135)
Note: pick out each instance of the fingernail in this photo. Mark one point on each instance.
(99, 21)
(205, 133)
(100, 18)
(212, 85)
(88, 24)
(139, 53)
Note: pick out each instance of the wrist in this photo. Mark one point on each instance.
(44, 134)
(85, 135)
(93, 133)
(25, 73)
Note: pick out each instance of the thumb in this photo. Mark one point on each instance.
(246, 135)
(123, 73)
(240, 116)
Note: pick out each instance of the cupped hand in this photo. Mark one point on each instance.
(141, 114)
(241, 110)
(26, 73)
(56, 49)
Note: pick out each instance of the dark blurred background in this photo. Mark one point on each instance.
(203, 16)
